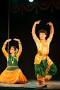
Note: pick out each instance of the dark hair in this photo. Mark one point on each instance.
(43, 31)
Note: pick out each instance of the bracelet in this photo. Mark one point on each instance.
(20, 46)
(19, 41)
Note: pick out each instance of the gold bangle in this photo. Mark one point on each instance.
(20, 46)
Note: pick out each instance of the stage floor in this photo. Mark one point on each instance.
(32, 84)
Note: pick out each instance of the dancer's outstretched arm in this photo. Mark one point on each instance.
(4, 48)
(36, 39)
(51, 32)
(20, 47)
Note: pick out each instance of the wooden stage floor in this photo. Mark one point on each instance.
(32, 84)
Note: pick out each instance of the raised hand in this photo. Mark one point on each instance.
(8, 40)
(15, 39)
(37, 22)
(50, 23)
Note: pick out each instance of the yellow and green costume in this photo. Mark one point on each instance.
(12, 74)
(43, 64)
(40, 69)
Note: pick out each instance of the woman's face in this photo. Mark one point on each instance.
(42, 36)
(12, 50)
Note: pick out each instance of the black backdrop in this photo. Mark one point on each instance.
(20, 26)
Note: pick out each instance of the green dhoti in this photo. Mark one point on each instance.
(40, 69)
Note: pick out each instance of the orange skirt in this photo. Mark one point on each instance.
(12, 76)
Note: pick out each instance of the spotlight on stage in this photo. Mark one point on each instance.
(31, 0)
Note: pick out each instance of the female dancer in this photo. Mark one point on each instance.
(12, 74)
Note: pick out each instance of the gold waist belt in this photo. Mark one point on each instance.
(40, 54)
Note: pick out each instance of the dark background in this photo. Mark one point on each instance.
(18, 19)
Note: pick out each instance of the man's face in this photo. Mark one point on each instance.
(42, 35)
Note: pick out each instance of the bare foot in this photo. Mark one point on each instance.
(42, 81)
(48, 77)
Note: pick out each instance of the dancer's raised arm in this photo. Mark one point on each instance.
(51, 32)
(20, 47)
(36, 39)
(4, 48)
